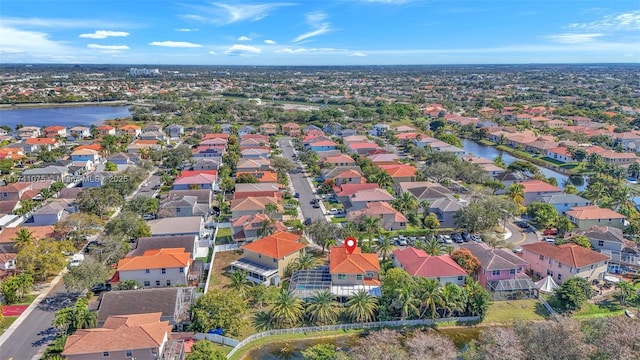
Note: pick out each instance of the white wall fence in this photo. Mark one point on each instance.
(370, 325)
(227, 247)
(217, 339)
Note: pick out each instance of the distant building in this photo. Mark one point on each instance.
(144, 72)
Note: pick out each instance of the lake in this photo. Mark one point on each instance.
(65, 116)
(491, 153)
(292, 350)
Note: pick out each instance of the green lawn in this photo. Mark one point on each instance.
(603, 309)
(222, 232)
(27, 299)
(553, 161)
(486, 142)
(6, 322)
(515, 310)
(337, 220)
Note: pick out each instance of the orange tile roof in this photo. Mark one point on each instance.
(105, 127)
(277, 245)
(7, 235)
(120, 333)
(593, 212)
(130, 127)
(215, 136)
(569, 254)
(538, 186)
(54, 128)
(341, 262)
(40, 141)
(262, 176)
(252, 203)
(96, 147)
(399, 170)
(339, 159)
(156, 259)
(146, 142)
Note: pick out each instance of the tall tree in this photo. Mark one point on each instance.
(323, 309)
(362, 307)
(219, 310)
(516, 193)
(240, 283)
(287, 309)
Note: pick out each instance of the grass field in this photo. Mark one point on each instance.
(6, 322)
(603, 309)
(515, 310)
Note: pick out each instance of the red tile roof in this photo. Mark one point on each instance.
(277, 245)
(156, 259)
(187, 173)
(593, 212)
(418, 263)
(40, 141)
(569, 254)
(341, 262)
(399, 170)
(39, 232)
(538, 186)
(54, 128)
(350, 189)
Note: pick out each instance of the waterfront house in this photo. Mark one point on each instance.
(55, 131)
(416, 262)
(27, 132)
(104, 130)
(131, 130)
(354, 271)
(564, 261)
(36, 144)
(624, 254)
(564, 202)
(584, 217)
(80, 132)
(616, 158)
(534, 189)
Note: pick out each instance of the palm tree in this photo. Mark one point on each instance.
(431, 297)
(287, 309)
(406, 203)
(323, 309)
(433, 247)
(264, 321)
(46, 193)
(453, 299)
(63, 320)
(385, 246)
(240, 283)
(303, 262)
(270, 209)
(24, 238)
(85, 319)
(596, 191)
(370, 225)
(266, 228)
(406, 301)
(477, 297)
(625, 290)
(516, 193)
(381, 178)
(424, 205)
(622, 196)
(361, 307)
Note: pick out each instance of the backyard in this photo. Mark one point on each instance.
(501, 312)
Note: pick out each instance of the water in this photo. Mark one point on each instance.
(292, 350)
(491, 153)
(65, 116)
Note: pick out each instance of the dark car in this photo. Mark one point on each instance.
(316, 205)
(307, 221)
(457, 238)
(313, 201)
(465, 236)
(101, 287)
(296, 195)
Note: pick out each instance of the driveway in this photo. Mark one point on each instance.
(521, 237)
(300, 183)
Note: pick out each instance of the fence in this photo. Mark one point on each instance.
(227, 247)
(370, 325)
(217, 339)
(546, 305)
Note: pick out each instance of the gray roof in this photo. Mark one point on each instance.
(203, 196)
(49, 170)
(49, 209)
(494, 259)
(164, 300)
(70, 193)
(446, 205)
(562, 199)
(186, 242)
(333, 172)
(178, 225)
(606, 233)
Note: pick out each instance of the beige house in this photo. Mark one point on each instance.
(268, 129)
(390, 218)
(352, 271)
(584, 217)
(256, 205)
(291, 129)
(565, 261)
(140, 337)
(156, 268)
(266, 260)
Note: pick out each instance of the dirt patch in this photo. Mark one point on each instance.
(220, 265)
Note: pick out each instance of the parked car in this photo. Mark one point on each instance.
(465, 236)
(332, 211)
(476, 238)
(550, 240)
(550, 231)
(216, 331)
(296, 195)
(148, 216)
(316, 205)
(100, 287)
(313, 201)
(307, 221)
(401, 242)
(522, 224)
(517, 250)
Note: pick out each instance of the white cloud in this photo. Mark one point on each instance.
(186, 30)
(20, 45)
(243, 50)
(301, 50)
(108, 47)
(59, 23)
(175, 44)
(11, 51)
(103, 34)
(244, 38)
(574, 38)
(316, 21)
(224, 13)
(213, 53)
(624, 21)
(270, 42)
(358, 54)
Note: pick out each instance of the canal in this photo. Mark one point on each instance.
(491, 153)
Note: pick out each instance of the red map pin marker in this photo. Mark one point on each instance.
(350, 244)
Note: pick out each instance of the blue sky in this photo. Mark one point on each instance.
(319, 32)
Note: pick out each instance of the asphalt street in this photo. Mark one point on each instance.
(147, 190)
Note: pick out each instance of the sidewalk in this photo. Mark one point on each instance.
(43, 294)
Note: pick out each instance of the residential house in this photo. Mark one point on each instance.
(226, 128)
(139, 336)
(14, 153)
(339, 160)
(252, 153)
(534, 189)
(217, 142)
(258, 164)
(564, 202)
(86, 155)
(55, 131)
(8, 234)
(425, 190)
(131, 130)
(152, 128)
(400, 173)
(346, 132)
(404, 129)
(104, 130)
(95, 179)
(35, 144)
(209, 153)
(256, 190)
(268, 129)
(189, 243)
(193, 225)
(446, 210)
(266, 260)
(309, 129)
(362, 147)
(175, 131)
(561, 154)
(354, 271)
(142, 145)
(390, 218)
(121, 158)
(344, 191)
(416, 262)
(625, 138)
(584, 217)
(354, 171)
(262, 176)
(610, 241)
(332, 128)
(540, 146)
(153, 135)
(203, 196)
(360, 199)
(27, 132)
(256, 205)
(69, 193)
(23, 190)
(49, 214)
(248, 227)
(156, 268)
(52, 173)
(565, 261)
(384, 159)
(80, 132)
(616, 158)
(206, 164)
(291, 129)
(185, 205)
(325, 145)
(196, 181)
(379, 129)
(245, 130)
(500, 267)
(173, 303)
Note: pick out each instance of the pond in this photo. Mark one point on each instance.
(490, 152)
(292, 350)
(65, 116)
